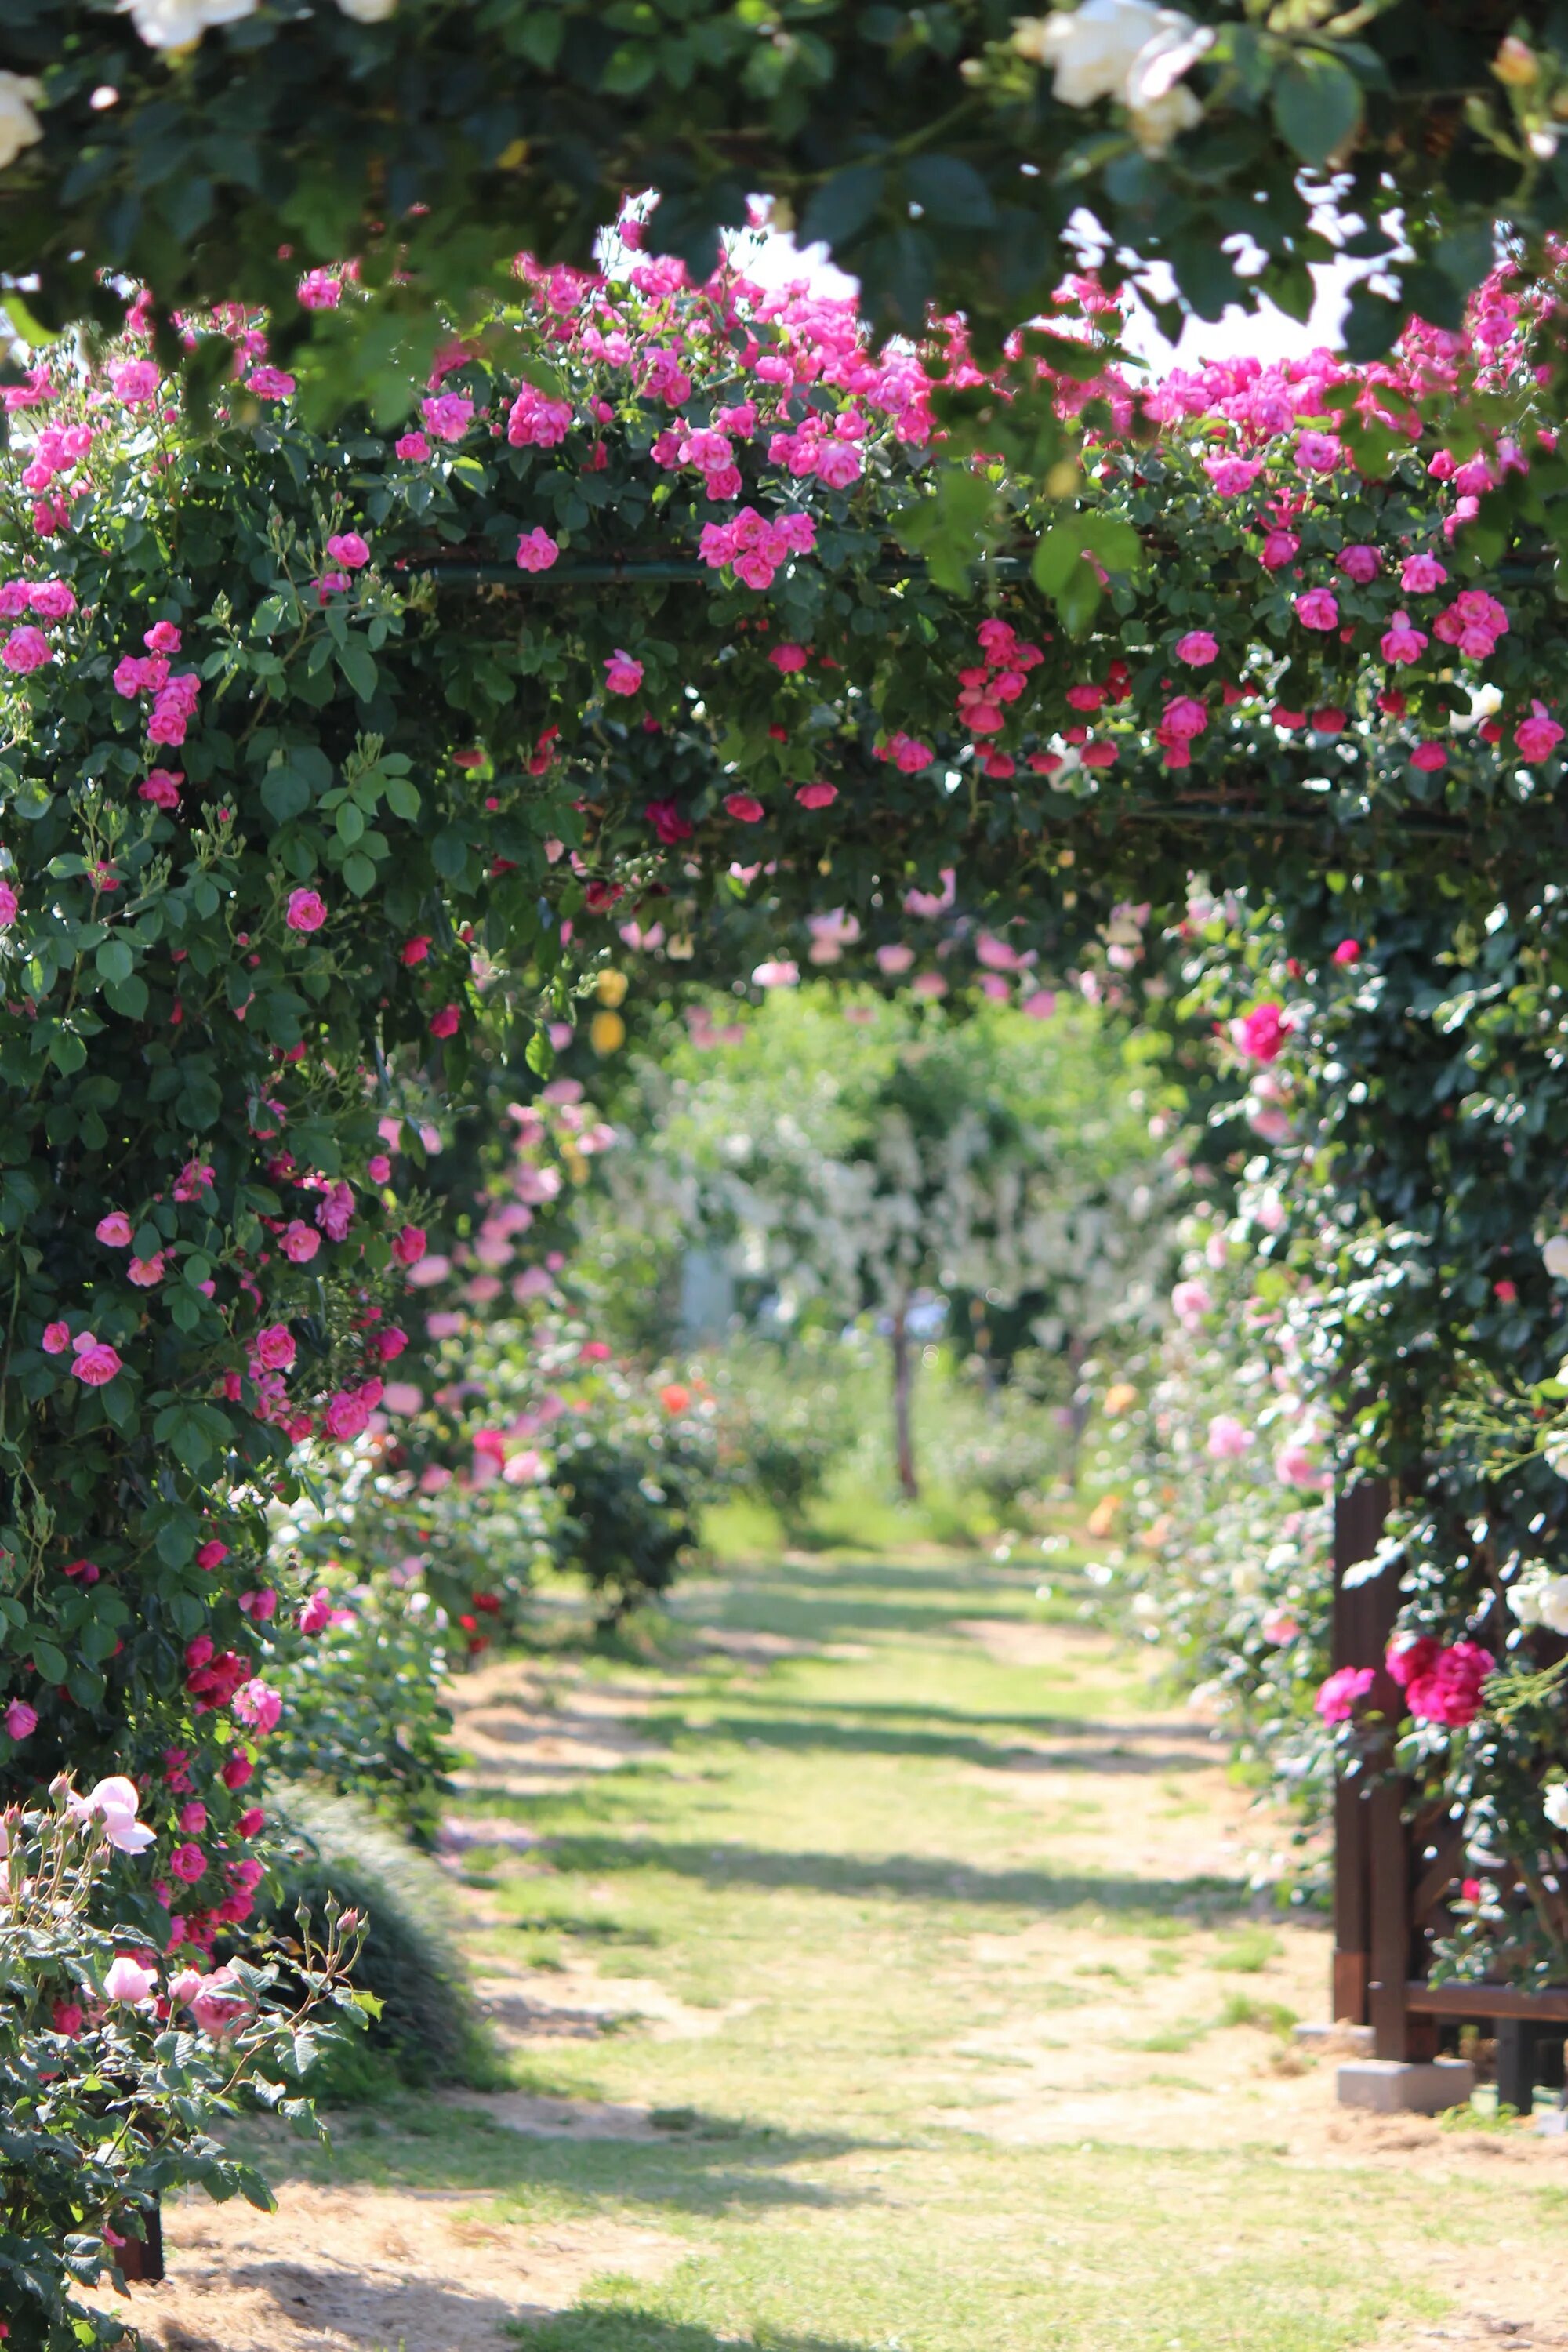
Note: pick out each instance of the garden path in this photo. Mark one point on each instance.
(878, 1973)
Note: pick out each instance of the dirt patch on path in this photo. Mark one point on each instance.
(362, 2270)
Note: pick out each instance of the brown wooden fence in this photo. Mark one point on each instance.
(1393, 1877)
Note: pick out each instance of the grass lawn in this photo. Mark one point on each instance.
(948, 2021)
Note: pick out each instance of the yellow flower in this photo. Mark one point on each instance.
(607, 1032)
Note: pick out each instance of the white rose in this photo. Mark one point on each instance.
(1554, 1257)
(1556, 1805)
(368, 12)
(1553, 1604)
(1125, 49)
(19, 126)
(175, 24)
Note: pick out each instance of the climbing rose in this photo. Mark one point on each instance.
(1429, 757)
(21, 1720)
(57, 1339)
(1317, 609)
(96, 1361)
(1294, 1467)
(1228, 1438)
(1402, 642)
(411, 445)
(25, 650)
(622, 674)
(317, 1613)
(1190, 1302)
(189, 1863)
(415, 951)
(446, 1023)
(1336, 1700)
(1348, 952)
(744, 808)
(274, 1348)
(1197, 648)
(1538, 735)
(1281, 548)
(346, 1415)
(788, 658)
(1359, 564)
(347, 547)
(536, 551)
(306, 911)
(259, 1705)
(299, 1242)
(161, 788)
(1260, 1032)
(447, 414)
(817, 796)
(1318, 452)
(408, 1244)
(667, 823)
(1184, 716)
(115, 1229)
(1421, 574)
(127, 1980)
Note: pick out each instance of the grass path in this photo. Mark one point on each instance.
(879, 1977)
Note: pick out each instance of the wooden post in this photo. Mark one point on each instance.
(1362, 1616)
(1515, 2064)
(141, 2260)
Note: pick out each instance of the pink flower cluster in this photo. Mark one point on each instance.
(1474, 622)
(535, 421)
(754, 547)
(173, 698)
(1442, 1684)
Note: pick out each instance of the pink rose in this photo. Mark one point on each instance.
(1185, 716)
(115, 1229)
(446, 1023)
(1281, 548)
(408, 1244)
(1317, 609)
(317, 1613)
(147, 1272)
(127, 1980)
(1359, 564)
(1421, 574)
(817, 796)
(1429, 757)
(212, 1554)
(414, 952)
(536, 551)
(1318, 452)
(1294, 1467)
(347, 547)
(21, 1720)
(96, 1363)
(299, 1242)
(274, 1348)
(788, 658)
(161, 788)
(259, 1705)
(1402, 642)
(449, 416)
(744, 808)
(25, 650)
(346, 1414)
(1337, 1698)
(1190, 1302)
(1260, 1032)
(306, 910)
(8, 906)
(1348, 952)
(1198, 649)
(1537, 736)
(162, 638)
(1228, 1438)
(412, 445)
(57, 1339)
(622, 674)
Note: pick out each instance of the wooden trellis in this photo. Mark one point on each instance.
(1393, 1877)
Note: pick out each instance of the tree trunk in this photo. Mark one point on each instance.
(903, 1370)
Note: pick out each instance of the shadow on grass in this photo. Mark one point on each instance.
(800, 1733)
(919, 1877)
(701, 2163)
(597, 2330)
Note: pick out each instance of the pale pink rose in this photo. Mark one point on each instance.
(1190, 1302)
(127, 1980)
(256, 1704)
(299, 1242)
(1228, 1438)
(116, 1229)
(147, 1272)
(1294, 1466)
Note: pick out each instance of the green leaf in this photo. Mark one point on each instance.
(843, 204)
(1317, 104)
(951, 191)
(50, 1662)
(403, 798)
(359, 874)
(284, 793)
(128, 997)
(355, 662)
(350, 822)
(1059, 549)
(114, 961)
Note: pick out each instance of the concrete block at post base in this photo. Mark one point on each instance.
(1395, 2086)
(1349, 2040)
